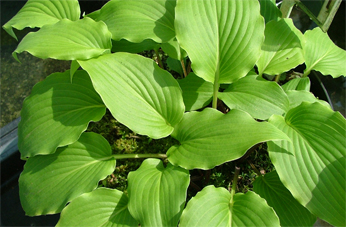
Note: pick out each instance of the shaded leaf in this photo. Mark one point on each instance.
(36, 13)
(269, 10)
(48, 182)
(68, 40)
(282, 47)
(157, 194)
(290, 212)
(59, 110)
(150, 19)
(127, 46)
(175, 65)
(222, 38)
(216, 207)
(312, 167)
(138, 92)
(259, 98)
(101, 207)
(210, 138)
(197, 93)
(322, 55)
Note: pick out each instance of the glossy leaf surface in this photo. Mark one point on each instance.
(259, 98)
(36, 13)
(222, 38)
(205, 141)
(289, 210)
(48, 182)
(101, 207)
(322, 55)
(68, 40)
(138, 92)
(157, 194)
(197, 93)
(150, 19)
(312, 167)
(282, 48)
(57, 112)
(216, 207)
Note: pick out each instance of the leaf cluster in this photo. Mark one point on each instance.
(220, 110)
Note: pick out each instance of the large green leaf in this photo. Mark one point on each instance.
(101, 207)
(157, 194)
(57, 112)
(282, 48)
(322, 55)
(36, 13)
(138, 92)
(137, 20)
(269, 10)
(297, 97)
(216, 207)
(312, 167)
(290, 212)
(68, 40)
(210, 138)
(259, 98)
(222, 38)
(48, 182)
(197, 93)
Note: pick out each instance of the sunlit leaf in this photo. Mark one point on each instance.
(222, 38)
(312, 167)
(206, 140)
(137, 20)
(322, 55)
(282, 47)
(259, 98)
(57, 112)
(36, 13)
(297, 97)
(139, 94)
(101, 207)
(216, 207)
(298, 84)
(290, 212)
(157, 194)
(48, 182)
(68, 40)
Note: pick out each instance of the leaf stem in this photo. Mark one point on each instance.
(126, 156)
(235, 181)
(308, 12)
(183, 66)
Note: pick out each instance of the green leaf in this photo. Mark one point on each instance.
(206, 142)
(101, 207)
(282, 48)
(57, 112)
(259, 98)
(290, 212)
(197, 93)
(312, 167)
(137, 20)
(297, 97)
(298, 84)
(157, 194)
(216, 207)
(175, 65)
(127, 46)
(222, 38)
(138, 92)
(68, 40)
(269, 10)
(36, 13)
(172, 48)
(322, 55)
(48, 182)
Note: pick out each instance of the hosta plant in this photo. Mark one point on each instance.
(232, 55)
